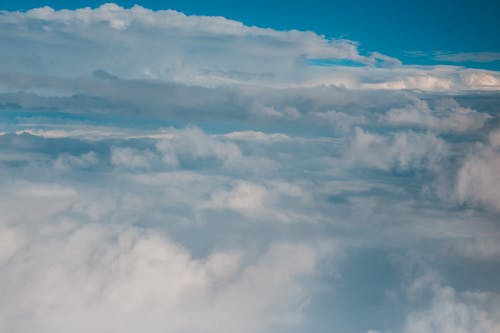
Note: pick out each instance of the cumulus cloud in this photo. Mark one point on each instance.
(403, 150)
(99, 39)
(138, 275)
(446, 116)
(66, 161)
(273, 201)
(244, 197)
(130, 279)
(477, 180)
(194, 143)
(131, 158)
(274, 53)
(452, 311)
(170, 172)
(435, 303)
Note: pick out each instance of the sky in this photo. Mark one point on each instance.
(195, 166)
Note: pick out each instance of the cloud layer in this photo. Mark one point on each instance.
(170, 173)
(167, 45)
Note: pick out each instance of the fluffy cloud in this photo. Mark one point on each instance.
(403, 150)
(124, 42)
(451, 311)
(276, 201)
(130, 279)
(78, 227)
(66, 161)
(447, 116)
(194, 143)
(274, 53)
(131, 158)
(477, 179)
(164, 172)
(74, 235)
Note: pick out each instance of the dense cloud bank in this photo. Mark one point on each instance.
(209, 51)
(170, 173)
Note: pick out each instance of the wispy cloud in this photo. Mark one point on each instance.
(469, 56)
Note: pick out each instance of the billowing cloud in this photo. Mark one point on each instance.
(165, 172)
(205, 51)
(448, 310)
(404, 150)
(448, 116)
(108, 278)
(477, 179)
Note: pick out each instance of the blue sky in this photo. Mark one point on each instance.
(414, 32)
(249, 169)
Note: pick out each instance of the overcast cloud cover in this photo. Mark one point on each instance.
(170, 173)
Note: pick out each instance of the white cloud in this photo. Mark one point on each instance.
(193, 143)
(494, 137)
(403, 150)
(477, 180)
(171, 147)
(435, 307)
(273, 52)
(341, 121)
(73, 263)
(124, 42)
(453, 312)
(246, 198)
(257, 136)
(67, 161)
(274, 201)
(447, 116)
(286, 151)
(481, 80)
(130, 279)
(132, 158)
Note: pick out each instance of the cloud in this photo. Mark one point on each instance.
(448, 115)
(477, 180)
(66, 161)
(484, 248)
(257, 136)
(244, 197)
(435, 303)
(131, 279)
(274, 201)
(403, 150)
(187, 37)
(452, 311)
(194, 143)
(170, 172)
(469, 56)
(112, 39)
(341, 121)
(131, 158)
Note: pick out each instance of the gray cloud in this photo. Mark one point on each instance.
(469, 56)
